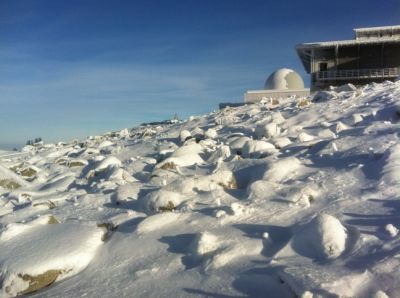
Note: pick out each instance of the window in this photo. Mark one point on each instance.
(323, 66)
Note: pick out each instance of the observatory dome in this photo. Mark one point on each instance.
(284, 79)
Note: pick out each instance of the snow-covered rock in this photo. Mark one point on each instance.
(158, 221)
(237, 144)
(305, 137)
(269, 130)
(56, 251)
(184, 135)
(282, 170)
(204, 243)
(257, 149)
(107, 162)
(211, 133)
(344, 88)
(392, 230)
(186, 155)
(281, 142)
(357, 118)
(162, 201)
(324, 237)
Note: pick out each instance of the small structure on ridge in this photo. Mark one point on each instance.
(282, 83)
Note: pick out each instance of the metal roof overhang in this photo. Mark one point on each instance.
(377, 29)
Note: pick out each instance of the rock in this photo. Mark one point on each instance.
(322, 96)
(37, 282)
(326, 134)
(281, 142)
(237, 144)
(344, 88)
(37, 254)
(357, 118)
(305, 137)
(204, 244)
(257, 149)
(380, 294)
(268, 130)
(198, 134)
(392, 230)
(211, 133)
(124, 133)
(184, 135)
(77, 163)
(9, 184)
(340, 126)
(127, 192)
(324, 237)
(105, 144)
(162, 200)
(9, 180)
(277, 118)
(106, 162)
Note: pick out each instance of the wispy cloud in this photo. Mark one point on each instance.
(74, 87)
(66, 99)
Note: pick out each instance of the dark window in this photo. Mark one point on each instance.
(323, 66)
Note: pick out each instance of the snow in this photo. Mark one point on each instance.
(186, 155)
(391, 169)
(184, 135)
(162, 199)
(204, 243)
(67, 248)
(211, 133)
(392, 230)
(281, 170)
(252, 201)
(269, 130)
(257, 149)
(305, 137)
(279, 80)
(323, 237)
(158, 221)
(107, 162)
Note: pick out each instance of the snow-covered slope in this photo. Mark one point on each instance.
(295, 199)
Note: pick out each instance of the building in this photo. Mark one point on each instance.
(282, 83)
(373, 56)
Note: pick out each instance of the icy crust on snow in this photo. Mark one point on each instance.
(290, 198)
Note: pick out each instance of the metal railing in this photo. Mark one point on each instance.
(345, 74)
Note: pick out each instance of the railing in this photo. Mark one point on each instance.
(331, 75)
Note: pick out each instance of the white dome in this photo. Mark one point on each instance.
(284, 79)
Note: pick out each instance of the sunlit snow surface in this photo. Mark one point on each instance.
(299, 198)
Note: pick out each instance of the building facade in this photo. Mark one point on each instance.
(373, 56)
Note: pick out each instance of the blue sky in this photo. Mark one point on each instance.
(77, 68)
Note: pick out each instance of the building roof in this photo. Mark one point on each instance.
(349, 42)
(284, 79)
(374, 29)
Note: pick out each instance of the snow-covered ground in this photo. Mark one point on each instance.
(299, 198)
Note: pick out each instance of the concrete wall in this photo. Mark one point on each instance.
(258, 95)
